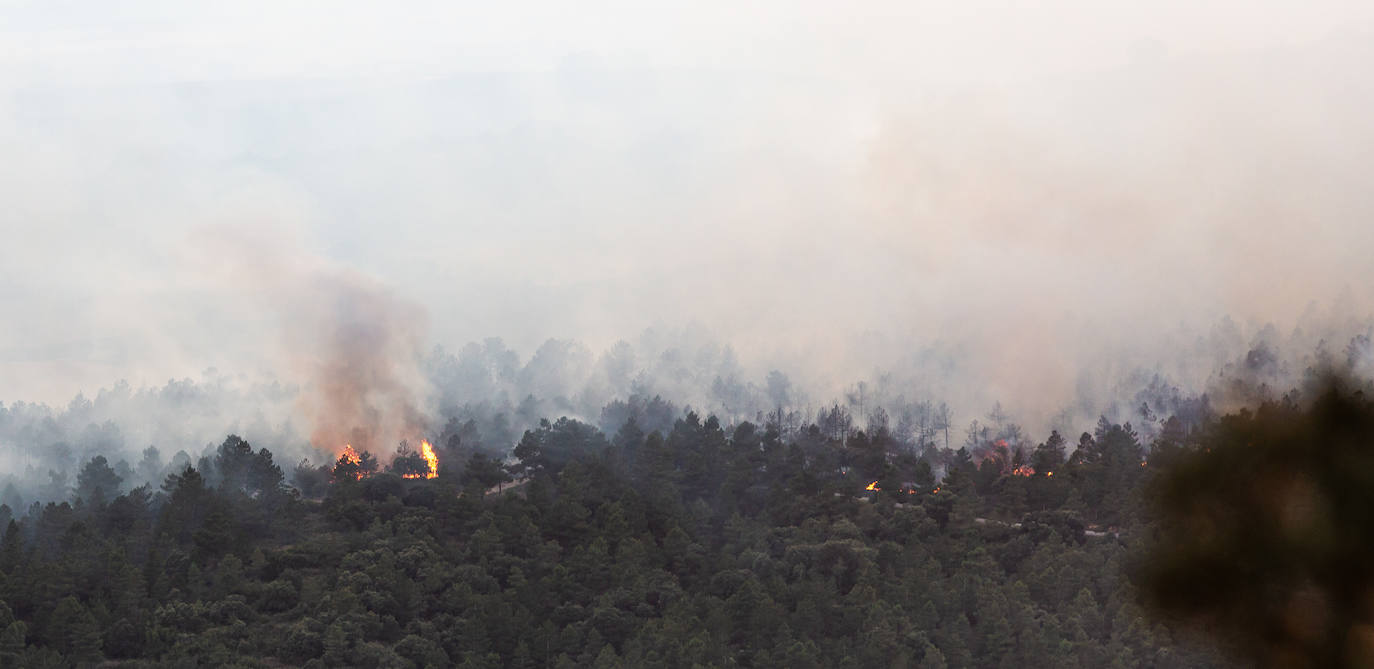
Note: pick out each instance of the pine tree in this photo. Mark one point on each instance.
(74, 631)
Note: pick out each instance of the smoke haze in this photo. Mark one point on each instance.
(1050, 207)
(353, 344)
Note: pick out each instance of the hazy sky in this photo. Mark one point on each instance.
(1035, 180)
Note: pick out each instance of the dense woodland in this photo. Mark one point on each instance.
(696, 545)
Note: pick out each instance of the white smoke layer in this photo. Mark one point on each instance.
(1067, 210)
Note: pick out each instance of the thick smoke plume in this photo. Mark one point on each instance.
(352, 345)
(359, 350)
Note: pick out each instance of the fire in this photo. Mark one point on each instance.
(936, 491)
(1049, 473)
(873, 486)
(351, 457)
(430, 458)
(431, 461)
(1023, 470)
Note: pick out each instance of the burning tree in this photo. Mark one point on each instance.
(413, 464)
(1049, 455)
(353, 466)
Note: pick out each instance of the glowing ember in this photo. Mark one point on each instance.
(873, 486)
(1143, 463)
(936, 491)
(1049, 473)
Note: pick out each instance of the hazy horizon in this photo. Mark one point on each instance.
(1045, 199)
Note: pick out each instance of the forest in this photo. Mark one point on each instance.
(695, 544)
(798, 335)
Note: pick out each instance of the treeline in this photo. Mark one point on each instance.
(491, 395)
(496, 394)
(692, 545)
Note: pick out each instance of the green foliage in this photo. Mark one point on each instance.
(689, 544)
(482, 473)
(408, 463)
(97, 482)
(73, 631)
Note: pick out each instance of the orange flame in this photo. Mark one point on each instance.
(1023, 470)
(430, 458)
(873, 486)
(352, 457)
(1049, 473)
(431, 462)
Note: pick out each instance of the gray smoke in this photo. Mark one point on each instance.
(1068, 211)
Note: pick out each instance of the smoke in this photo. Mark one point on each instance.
(1074, 232)
(1057, 210)
(350, 344)
(360, 351)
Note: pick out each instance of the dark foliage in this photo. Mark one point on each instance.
(680, 544)
(1265, 532)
